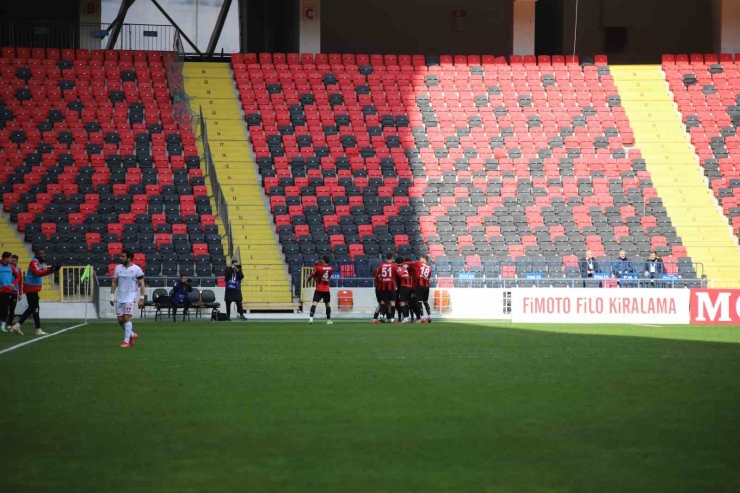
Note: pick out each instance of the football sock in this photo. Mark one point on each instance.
(328, 312)
(128, 327)
(429, 312)
(313, 310)
(382, 310)
(377, 312)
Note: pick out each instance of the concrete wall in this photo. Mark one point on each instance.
(524, 27)
(730, 35)
(57, 10)
(310, 22)
(416, 26)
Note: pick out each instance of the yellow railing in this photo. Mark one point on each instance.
(72, 287)
(306, 284)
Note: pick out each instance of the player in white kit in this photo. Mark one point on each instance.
(127, 286)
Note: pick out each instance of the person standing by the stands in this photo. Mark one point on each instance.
(234, 276)
(17, 295)
(32, 288)
(9, 281)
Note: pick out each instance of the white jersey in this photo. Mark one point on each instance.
(128, 282)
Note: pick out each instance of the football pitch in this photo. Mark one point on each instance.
(267, 406)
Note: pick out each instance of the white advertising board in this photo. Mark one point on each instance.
(463, 303)
(474, 303)
(600, 306)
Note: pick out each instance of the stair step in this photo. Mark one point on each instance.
(252, 227)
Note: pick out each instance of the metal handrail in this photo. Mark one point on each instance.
(92, 36)
(222, 208)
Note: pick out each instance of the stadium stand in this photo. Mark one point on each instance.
(92, 162)
(706, 90)
(478, 162)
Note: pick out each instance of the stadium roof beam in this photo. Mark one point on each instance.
(216, 35)
(171, 20)
(115, 27)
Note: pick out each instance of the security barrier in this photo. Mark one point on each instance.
(76, 284)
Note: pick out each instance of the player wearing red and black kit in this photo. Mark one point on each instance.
(385, 281)
(385, 286)
(413, 303)
(423, 276)
(322, 275)
(404, 289)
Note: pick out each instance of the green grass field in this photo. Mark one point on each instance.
(355, 407)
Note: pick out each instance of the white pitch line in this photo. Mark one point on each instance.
(36, 339)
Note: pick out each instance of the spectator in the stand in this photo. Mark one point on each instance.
(622, 267)
(233, 294)
(653, 270)
(589, 267)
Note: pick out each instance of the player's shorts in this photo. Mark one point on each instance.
(383, 296)
(422, 293)
(321, 296)
(125, 309)
(404, 294)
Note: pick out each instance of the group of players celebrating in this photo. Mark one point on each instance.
(401, 288)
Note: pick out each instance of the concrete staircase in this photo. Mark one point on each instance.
(266, 285)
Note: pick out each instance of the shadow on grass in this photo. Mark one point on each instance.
(359, 407)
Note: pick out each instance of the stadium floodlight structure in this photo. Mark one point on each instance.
(115, 26)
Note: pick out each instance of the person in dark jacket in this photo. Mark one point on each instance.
(653, 270)
(589, 267)
(233, 294)
(180, 296)
(623, 266)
